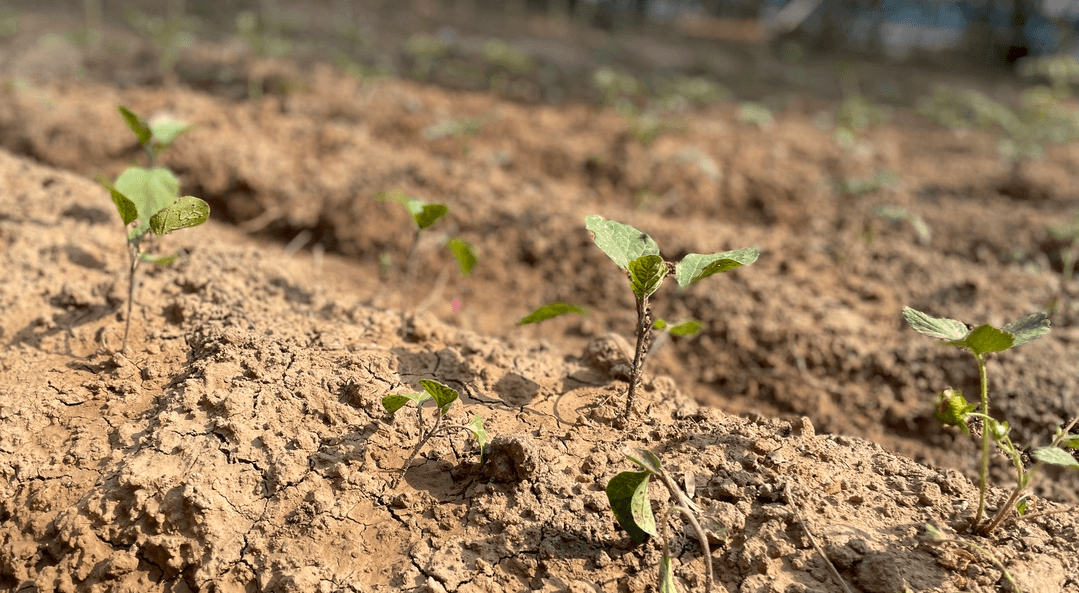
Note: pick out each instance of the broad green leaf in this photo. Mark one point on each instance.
(165, 130)
(1071, 441)
(128, 212)
(621, 242)
(696, 266)
(395, 402)
(628, 495)
(478, 431)
(462, 250)
(690, 327)
(1028, 329)
(551, 310)
(935, 327)
(424, 214)
(953, 409)
(646, 274)
(986, 338)
(137, 124)
(150, 190)
(1055, 456)
(444, 396)
(648, 460)
(185, 212)
(666, 576)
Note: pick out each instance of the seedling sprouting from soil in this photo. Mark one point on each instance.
(954, 409)
(628, 495)
(443, 397)
(937, 537)
(149, 201)
(638, 255)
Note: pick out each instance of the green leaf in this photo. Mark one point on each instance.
(646, 274)
(986, 338)
(150, 190)
(137, 125)
(396, 401)
(1028, 329)
(1071, 441)
(462, 250)
(997, 430)
(689, 327)
(1055, 456)
(424, 214)
(478, 431)
(444, 396)
(161, 260)
(628, 495)
(660, 324)
(165, 130)
(185, 212)
(648, 460)
(666, 576)
(935, 327)
(621, 242)
(551, 310)
(127, 209)
(695, 266)
(953, 409)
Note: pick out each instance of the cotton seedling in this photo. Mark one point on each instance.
(149, 202)
(443, 396)
(638, 255)
(954, 409)
(627, 494)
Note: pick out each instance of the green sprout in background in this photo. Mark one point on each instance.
(444, 397)
(627, 494)
(953, 408)
(149, 201)
(638, 256)
(899, 214)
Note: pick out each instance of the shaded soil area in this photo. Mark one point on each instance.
(241, 444)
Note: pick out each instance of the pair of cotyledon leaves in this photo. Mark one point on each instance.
(444, 396)
(425, 215)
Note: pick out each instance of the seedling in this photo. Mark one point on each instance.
(899, 214)
(443, 397)
(954, 409)
(627, 494)
(149, 201)
(937, 537)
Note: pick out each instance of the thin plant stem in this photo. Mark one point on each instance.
(132, 287)
(813, 540)
(983, 471)
(685, 507)
(984, 552)
(423, 441)
(644, 337)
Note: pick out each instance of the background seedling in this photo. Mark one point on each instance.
(149, 202)
(899, 214)
(638, 255)
(443, 397)
(954, 409)
(627, 494)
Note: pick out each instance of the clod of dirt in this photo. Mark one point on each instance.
(512, 458)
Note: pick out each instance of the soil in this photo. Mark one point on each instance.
(241, 444)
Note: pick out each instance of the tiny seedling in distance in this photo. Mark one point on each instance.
(443, 396)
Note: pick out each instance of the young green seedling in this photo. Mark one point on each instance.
(638, 255)
(149, 201)
(627, 494)
(443, 397)
(954, 409)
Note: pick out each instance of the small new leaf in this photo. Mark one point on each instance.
(462, 251)
(628, 495)
(986, 338)
(551, 310)
(621, 242)
(424, 214)
(444, 396)
(1055, 456)
(953, 409)
(478, 431)
(935, 327)
(395, 402)
(696, 266)
(137, 125)
(690, 327)
(185, 212)
(646, 274)
(1028, 329)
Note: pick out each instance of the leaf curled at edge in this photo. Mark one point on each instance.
(443, 395)
(646, 274)
(137, 124)
(935, 327)
(185, 212)
(621, 242)
(647, 459)
(478, 431)
(462, 251)
(628, 495)
(550, 311)
(1055, 456)
(127, 209)
(1028, 329)
(696, 266)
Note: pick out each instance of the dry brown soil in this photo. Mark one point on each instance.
(240, 445)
